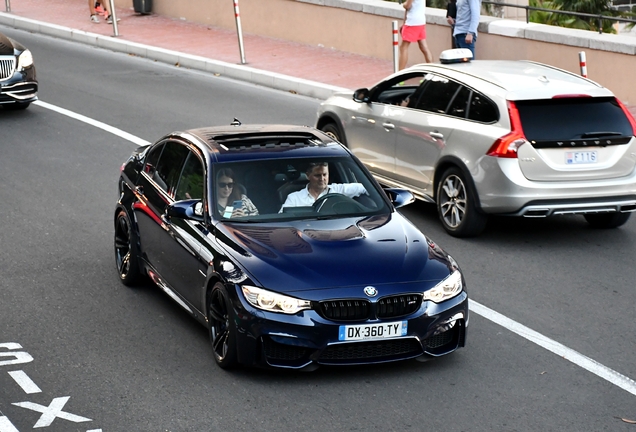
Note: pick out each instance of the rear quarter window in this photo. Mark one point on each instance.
(571, 118)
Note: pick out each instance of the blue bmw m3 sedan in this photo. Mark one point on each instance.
(281, 243)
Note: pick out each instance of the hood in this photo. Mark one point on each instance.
(6, 45)
(318, 254)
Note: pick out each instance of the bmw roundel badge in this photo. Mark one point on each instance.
(370, 291)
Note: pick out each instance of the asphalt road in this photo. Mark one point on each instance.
(81, 352)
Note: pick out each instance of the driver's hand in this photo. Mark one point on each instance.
(239, 212)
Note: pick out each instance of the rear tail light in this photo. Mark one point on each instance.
(629, 116)
(507, 145)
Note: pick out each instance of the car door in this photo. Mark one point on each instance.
(155, 190)
(186, 269)
(424, 129)
(370, 129)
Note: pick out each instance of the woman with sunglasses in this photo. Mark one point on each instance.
(231, 203)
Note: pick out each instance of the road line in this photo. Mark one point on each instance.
(6, 425)
(23, 380)
(92, 122)
(575, 357)
(557, 348)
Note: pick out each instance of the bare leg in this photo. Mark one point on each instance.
(404, 54)
(428, 57)
(91, 6)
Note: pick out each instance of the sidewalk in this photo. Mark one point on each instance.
(268, 61)
(313, 63)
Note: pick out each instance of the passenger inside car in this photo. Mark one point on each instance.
(231, 199)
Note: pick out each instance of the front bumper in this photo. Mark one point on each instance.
(21, 87)
(306, 340)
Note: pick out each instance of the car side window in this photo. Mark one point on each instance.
(150, 167)
(482, 109)
(399, 90)
(437, 94)
(169, 166)
(458, 106)
(191, 182)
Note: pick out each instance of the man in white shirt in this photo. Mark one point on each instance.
(318, 175)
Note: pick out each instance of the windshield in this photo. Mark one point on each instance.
(296, 188)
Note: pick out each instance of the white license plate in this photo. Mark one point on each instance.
(581, 157)
(372, 331)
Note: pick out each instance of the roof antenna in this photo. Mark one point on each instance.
(235, 122)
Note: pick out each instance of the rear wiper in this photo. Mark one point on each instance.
(600, 134)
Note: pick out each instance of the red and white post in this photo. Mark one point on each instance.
(583, 64)
(396, 50)
(237, 17)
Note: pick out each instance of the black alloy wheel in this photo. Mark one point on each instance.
(607, 220)
(456, 206)
(221, 326)
(126, 250)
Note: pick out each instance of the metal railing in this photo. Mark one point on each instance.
(599, 17)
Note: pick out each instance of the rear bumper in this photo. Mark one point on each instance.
(505, 190)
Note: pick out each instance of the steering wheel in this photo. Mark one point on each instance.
(337, 203)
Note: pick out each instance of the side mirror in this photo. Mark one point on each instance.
(399, 197)
(186, 209)
(361, 95)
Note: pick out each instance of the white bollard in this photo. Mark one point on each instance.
(396, 51)
(583, 64)
(238, 31)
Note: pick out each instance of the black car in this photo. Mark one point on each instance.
(219, 218)
(18, 83)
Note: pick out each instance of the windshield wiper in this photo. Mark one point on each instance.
(600, 134)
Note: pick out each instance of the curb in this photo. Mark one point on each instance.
(243, 73)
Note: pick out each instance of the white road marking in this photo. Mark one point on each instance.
(23, 380)
(6, 425)
(575, 357)
(18, 357)
(92, 122)
(561, 350)
(51, 412)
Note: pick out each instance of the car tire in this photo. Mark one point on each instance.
(126, 256)
(607, 220)
(456, 205)
(331, 129)
(222, 327)
(18, 106)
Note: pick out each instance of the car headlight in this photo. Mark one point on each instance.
(446, 289)
(25, 59)
(273, 302)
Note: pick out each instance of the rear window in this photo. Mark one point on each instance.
(552, 120)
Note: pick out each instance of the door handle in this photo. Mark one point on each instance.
(388, 125)
(437, 135)
(139, 190)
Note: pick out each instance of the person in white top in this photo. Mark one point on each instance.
(414, 30)
(318, 175)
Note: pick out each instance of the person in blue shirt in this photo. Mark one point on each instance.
(466, 22)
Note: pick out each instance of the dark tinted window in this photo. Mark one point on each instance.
(150, 167)
(563, 119)
(191, 182)
(482, 109)
(437, 94)
(458, 106)
(169, 166)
